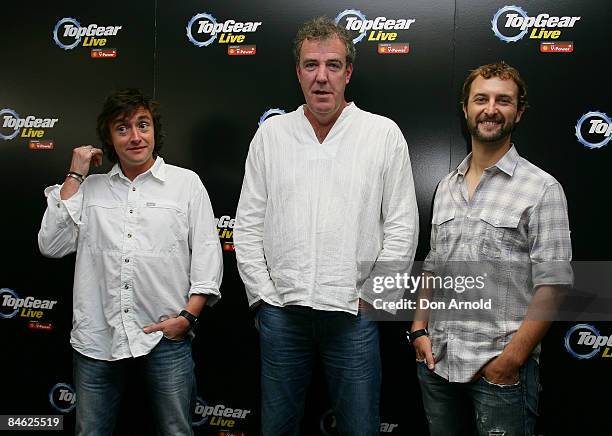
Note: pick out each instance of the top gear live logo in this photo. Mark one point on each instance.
(68, 34)
(594, 129)
(583, 341)
(512, 23)
(203, 29)
(11, 124)
(356, 21)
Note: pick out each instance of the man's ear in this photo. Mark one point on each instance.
(349, 73)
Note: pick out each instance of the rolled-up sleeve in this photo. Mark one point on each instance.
(549, 239)
(206, 271)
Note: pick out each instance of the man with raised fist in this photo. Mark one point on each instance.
(148, 260)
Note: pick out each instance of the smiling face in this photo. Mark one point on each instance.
(491, 110)
(323, 75)
(133, 137)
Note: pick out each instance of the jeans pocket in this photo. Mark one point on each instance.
(176, 340)
(500, 386)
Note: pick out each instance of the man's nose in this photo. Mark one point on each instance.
(321, 73)
(135, 135)
(491, 106)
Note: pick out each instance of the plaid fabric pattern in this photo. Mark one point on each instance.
(517, 221)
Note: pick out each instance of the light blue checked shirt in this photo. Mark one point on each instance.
(516, 221)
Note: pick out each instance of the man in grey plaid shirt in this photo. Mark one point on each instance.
(499, 209)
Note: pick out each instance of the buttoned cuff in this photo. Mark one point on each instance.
(64, 210)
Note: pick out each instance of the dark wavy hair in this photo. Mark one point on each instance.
(124, 102)
(504, 72)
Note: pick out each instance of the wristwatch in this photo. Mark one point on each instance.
(193, 320)
(411, 336)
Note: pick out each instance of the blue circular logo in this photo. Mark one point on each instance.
(604, 121)
(359, 15)
(269, 113)
(14, 115)
(59, 24)
(495, 26)
(62, 397)
(568, 341)
(13, 294)
(213, 33)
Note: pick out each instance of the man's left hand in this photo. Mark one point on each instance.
(500, 371)
(173, 328)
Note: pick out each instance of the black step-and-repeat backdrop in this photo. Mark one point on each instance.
(218, 69)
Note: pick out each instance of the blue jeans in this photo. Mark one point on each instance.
(169, 377)
(291, 338)
(480, 407)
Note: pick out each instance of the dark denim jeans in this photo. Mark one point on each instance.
(480, 407)
(348, 346)
(169, 377)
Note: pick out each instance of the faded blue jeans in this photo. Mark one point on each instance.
(171, 387)
(480, 407)
(291, 338)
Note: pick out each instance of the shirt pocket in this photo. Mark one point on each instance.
(164, 228)
(500, 235)
(445, 232)
(103, 226)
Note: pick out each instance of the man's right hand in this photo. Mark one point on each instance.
(82, 157)
(422, 347)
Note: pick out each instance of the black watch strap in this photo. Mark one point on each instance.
(412, 336)
(193, 320)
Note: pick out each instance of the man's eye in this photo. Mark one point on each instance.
(121, 129)
(143, 125)
(480, 99)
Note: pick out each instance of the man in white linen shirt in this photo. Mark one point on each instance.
(326, 187)
(148, 260)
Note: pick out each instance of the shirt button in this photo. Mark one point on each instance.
(133, 188)
(59, 205)
(469, 216)
(126, 310)
(131, 210)
(126, 286)
(129, 235)
(127, 260)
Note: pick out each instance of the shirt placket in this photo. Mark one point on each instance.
(127, 266)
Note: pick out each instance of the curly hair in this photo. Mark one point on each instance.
(497, 69)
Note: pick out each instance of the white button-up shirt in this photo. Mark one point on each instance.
(311, 215)
(143, 247)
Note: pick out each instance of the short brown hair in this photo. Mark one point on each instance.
(321, 29)
(504, 72)
(126, 102)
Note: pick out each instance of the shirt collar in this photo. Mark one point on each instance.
(158, 170)
(507, 163)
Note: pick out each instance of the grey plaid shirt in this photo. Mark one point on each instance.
(515, 220)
